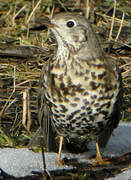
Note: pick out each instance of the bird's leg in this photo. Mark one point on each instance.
(59, 161)
(98, 154)
(99, 159)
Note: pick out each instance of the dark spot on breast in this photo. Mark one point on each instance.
(87, 71)
(72, 128)
(78, 124)
(98, 109)
(92, 102)
(101, 98)
(80, 73)
(69, 81)
(95, 114)
(99, 66)
(93, 97)
(89, 112)
(86, 78)
(104, 112)
(73, 104)
(83, 107)
(94, 85)
(56, 110)
(101, 92)
(70, 117)
(96, 104)
(93, 74)
(61, 77)
(79, 88)
(82, 114)
(60, 99)
(62, 115)
(66, 99)
(76, 112)
(106, 104)
(88, 108)
(100, 76)
(63, 120)
(62, 85)
(108, 88)
(83, 119)
(76, 99)
(56, 115)
(91, 118)
(85, 93)
(72, 93)
(66, 91)
(87, 102)
(73, 120)
(64, 109)
(54, 99)
(106, 97)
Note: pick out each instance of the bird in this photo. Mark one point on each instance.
(80, 88)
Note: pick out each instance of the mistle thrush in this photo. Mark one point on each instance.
(79, 87)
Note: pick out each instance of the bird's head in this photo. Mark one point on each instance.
(74, 31)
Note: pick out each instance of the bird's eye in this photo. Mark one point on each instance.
(70, 24)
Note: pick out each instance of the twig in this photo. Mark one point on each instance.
(62, 5)
(14, 100)
(33, 5)
(113, 20)
(116, 19)
(5, 107)
(128, 64)
(28, 111)
(8, 13)
(124, 74)
(120, 27)
(24, 107)
(87, 9)
(45, 172)
(14, 77)
(52, 11)
(26, 118)
(33, 11)
(24, 82)
(13, 19)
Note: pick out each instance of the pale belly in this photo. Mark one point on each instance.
(83, 114)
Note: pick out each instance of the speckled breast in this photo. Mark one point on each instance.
(82, 101)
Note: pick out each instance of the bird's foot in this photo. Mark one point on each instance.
(101, 161)
(59, 162)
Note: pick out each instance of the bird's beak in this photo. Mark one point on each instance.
(49, 24)
(46, 23)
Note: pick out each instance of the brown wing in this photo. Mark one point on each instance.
(44, 116)
(115, 116)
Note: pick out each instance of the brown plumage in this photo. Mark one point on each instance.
(79, 87)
